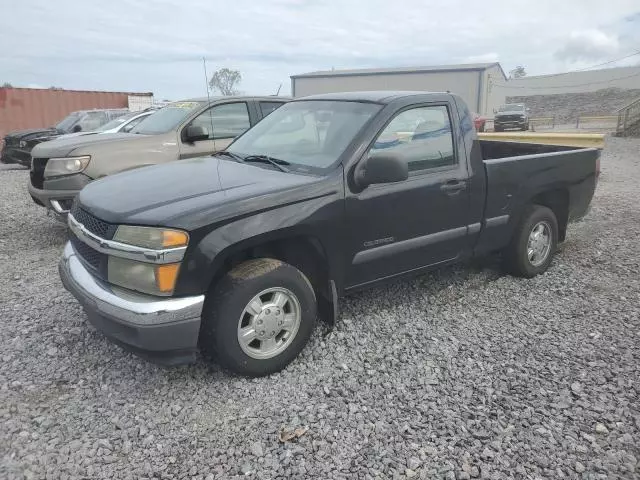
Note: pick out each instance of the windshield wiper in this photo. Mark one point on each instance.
(225, 153)
(276, 162)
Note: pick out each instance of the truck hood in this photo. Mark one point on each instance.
(63, 146)
(75, 135)
(33, 133)
(189, 194)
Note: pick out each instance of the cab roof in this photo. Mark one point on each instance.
(380, 96)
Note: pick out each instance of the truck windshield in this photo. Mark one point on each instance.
(511, 107)
(310, 135)
(67, 122)
(166, 119)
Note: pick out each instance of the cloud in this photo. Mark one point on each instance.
(127, 46)
(482, 58)
(589, 45)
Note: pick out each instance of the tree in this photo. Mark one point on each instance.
(518, 72)
(225, 81)
(7, 85)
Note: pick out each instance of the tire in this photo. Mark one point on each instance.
(497, 129)
(517, 258)
(225, 313)
(481, 129)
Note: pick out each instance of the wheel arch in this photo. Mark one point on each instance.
(557, 200)
(301, 249)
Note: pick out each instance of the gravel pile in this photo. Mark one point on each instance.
(463, 373)
(567, 107)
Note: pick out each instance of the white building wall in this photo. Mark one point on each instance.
(464, 83)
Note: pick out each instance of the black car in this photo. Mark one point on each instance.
(18, 145)
(511, 116)
(237, 253)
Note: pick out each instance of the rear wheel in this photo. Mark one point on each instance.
(533, 244)
(259, 317)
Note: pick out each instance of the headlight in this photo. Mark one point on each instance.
(150, 237)
(65, 166)
(150, 278)
(143, 277)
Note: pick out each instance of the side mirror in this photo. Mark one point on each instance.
(77, 128)
(495, 111)
(195, 133)
(385, 167)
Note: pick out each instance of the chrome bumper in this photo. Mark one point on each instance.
(162, 330)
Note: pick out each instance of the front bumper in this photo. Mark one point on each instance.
(12, 154)
(58, 194)
(164, 331)
(58, 201)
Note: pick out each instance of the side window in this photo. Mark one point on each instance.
(267, 107)
(421, 135)
(228, 120)
(93, 120)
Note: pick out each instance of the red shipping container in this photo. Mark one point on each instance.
(22, 108)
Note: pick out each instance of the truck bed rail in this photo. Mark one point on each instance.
(580, 140)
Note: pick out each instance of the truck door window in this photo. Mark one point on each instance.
(228, 120)
(267, 107)
(421, 135)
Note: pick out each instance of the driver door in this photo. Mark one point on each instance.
(223, 123)
(399, 227)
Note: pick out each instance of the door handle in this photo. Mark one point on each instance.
(453, 186)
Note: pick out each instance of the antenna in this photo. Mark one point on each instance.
(278, 92)
(206, 86)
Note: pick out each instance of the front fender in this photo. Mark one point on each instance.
(320, 218)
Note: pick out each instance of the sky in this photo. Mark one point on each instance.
(158, 45)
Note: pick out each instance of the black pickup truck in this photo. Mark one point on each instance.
(238, 253)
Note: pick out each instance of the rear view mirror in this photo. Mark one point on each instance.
(384, 167)
(195, 133)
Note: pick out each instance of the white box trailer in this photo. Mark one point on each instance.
(138, 103)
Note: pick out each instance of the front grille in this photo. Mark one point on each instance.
(92, 258)
(37, 172)
(96, 226)
(510, 118)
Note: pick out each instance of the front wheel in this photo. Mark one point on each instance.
(533, 244)
(259, 317)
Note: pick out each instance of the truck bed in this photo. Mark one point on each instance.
(517, 173)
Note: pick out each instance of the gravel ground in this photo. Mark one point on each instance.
(463, 373)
